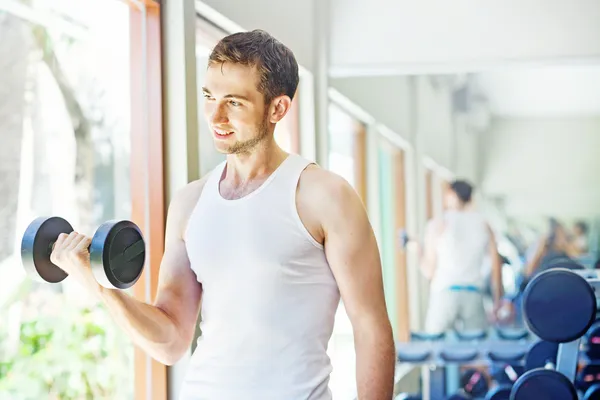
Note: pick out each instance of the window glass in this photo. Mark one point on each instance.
(341, 158)
(65, 133)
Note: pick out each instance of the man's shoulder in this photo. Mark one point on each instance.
(185, 199)
(190, 192)
(321, 183)
(326, 192)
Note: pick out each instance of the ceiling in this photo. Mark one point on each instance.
(542, 91)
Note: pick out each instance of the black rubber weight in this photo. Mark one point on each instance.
(541, 353)
(460, 396)
(36, 248)
(544, 384)
(559, 306)
(118, 254)
(592, 341)
(474, 383)
(588, 376)
(413, 355)
(593, 393)
(499, 393)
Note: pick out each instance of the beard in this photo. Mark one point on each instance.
(246, 146)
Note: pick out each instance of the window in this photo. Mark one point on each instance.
(393, 222)
(388, 229)
(66, 123)
(207, 36)
(347, 149)
(429, 195)
(287, 131)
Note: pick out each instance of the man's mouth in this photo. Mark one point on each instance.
(222, 133)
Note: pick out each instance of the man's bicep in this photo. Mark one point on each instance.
(353, 255)
(179, 293)
(492, 243)
(178, 289)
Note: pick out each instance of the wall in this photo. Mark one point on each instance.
(467, 156)
(434, 121)
(418, 36)
(420, 110)
(387, 99)
(544, 166)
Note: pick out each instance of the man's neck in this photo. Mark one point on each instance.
(462, 207)
(259, 162)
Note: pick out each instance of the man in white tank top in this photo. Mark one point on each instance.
(455, 249)
(264, 245)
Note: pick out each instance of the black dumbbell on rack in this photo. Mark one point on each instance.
(117, 252)
(559, 307)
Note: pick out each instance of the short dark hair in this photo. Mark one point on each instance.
(275, 62)
(463, 189)
(583, 227)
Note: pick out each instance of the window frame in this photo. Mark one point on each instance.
(359, 143)
(147, 159)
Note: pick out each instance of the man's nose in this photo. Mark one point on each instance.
(219, 115)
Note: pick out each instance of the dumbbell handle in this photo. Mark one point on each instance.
(128, 254)
(51, 247)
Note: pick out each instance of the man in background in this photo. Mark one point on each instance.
(455, 249)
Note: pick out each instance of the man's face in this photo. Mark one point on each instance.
(234, 108)
(451, 200)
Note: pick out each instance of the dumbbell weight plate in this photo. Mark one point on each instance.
(592, 341)
(588, 376)
(118, 254)
(593, 393)
(549, 301)
(460, 396)
(36, 248)
(541, 353)
(474, 383)
(544, 384)
(501, 392)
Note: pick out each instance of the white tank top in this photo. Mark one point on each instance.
(461, 251)
(269, 297)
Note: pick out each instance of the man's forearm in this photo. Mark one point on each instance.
(375, 362)
(497, 285)
(147, 326)
(427, 269)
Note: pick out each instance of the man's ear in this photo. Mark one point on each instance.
(279, 108)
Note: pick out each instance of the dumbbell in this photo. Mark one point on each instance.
(559, 307)
(117, 252)
(593, 393)
(403, 238)
(592, 342)
(474, 383)
(589, 374)
(501, 392)
(541, 354)
(461, 395)
(587, 377)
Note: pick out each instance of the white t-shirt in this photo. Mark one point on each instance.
(269, 296)
(462, 249)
